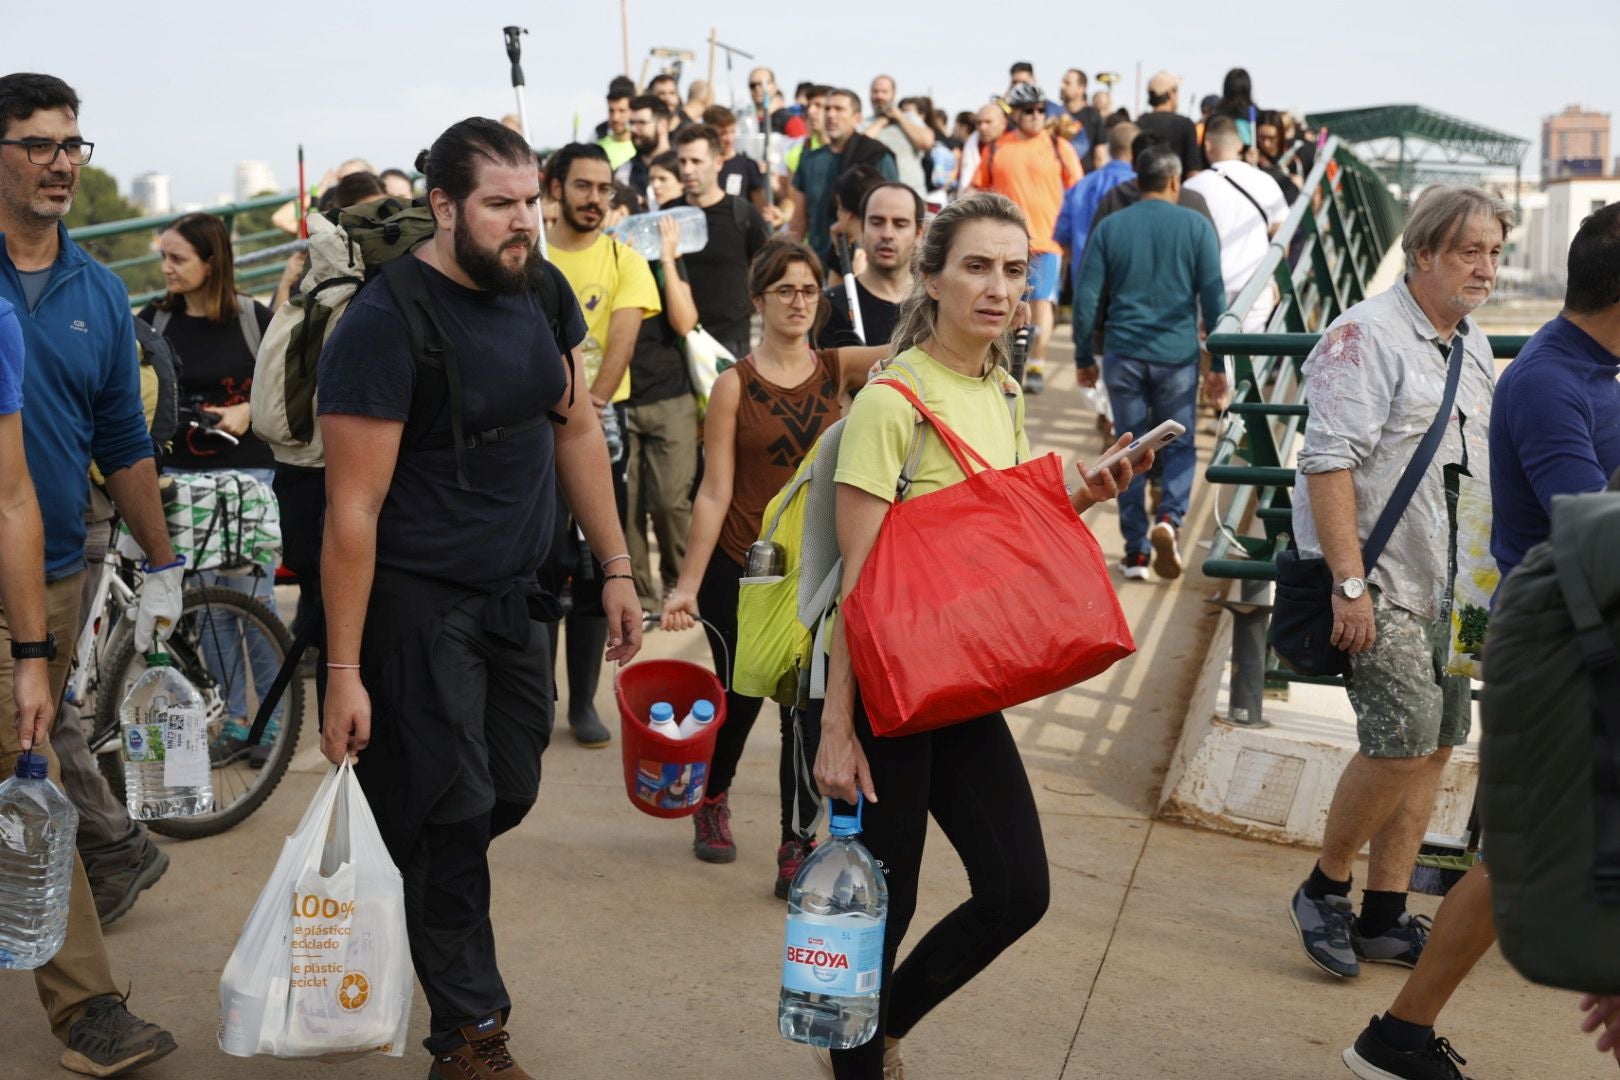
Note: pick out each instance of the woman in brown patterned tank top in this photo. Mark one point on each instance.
(764, 416)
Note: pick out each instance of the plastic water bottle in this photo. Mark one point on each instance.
(663, 720)
(640, 231)
(611, 432)
(832, 963)
(701, 716)
(165, 732)
(37, 829)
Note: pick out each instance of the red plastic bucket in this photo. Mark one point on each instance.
(666, 777)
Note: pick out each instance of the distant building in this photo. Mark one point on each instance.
(253, 178)
(1574, 143)
(150, 191)
(1570, 201)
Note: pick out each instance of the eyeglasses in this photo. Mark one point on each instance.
(788, 293)
(756, 86)
(44, 151)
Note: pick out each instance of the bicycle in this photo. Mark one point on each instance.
(210, 646)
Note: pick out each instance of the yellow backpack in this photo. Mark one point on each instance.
(783, 621)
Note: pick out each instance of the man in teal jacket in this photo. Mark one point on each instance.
(81, 401)
(1157, 262)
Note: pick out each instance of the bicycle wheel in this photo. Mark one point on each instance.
(209, 649)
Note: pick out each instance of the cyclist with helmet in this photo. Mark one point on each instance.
(1033, 166)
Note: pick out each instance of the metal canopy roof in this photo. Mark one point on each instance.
(1456, 138)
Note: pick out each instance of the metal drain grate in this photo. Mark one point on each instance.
(1263, 786)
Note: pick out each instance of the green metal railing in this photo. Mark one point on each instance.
(253, 267)
(1320, 263)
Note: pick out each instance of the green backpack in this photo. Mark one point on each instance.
(1549, 779)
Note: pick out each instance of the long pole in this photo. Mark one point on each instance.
(714, 36)
(624, 32)
(303, 196)
(514, 52)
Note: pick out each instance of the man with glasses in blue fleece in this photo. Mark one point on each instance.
(81, 396)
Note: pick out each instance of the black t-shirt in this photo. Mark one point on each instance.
(1091, 122)
(216, 364)
(496, 534)
(741, 176)
(877, 319)
(1178, 133)
(719, 273)
(658, 366)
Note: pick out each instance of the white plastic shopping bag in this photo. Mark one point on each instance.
(323, 965)
(706, 358)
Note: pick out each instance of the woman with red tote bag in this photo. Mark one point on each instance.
(953, 332)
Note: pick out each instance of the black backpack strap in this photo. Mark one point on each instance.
(1265, 222)
(1415, 469)
(550, 293)
(435, 362)
(1602, 662)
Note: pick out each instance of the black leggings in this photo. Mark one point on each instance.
(717, 600)
(971, 779)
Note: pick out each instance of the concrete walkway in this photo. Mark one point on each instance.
(1167, 952)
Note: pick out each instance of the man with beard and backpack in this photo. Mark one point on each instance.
(449, 419)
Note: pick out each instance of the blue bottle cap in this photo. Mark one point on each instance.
(845, 824)
(703, 710)
(663, 710)
(32, 766)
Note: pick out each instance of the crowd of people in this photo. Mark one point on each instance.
(471, 523)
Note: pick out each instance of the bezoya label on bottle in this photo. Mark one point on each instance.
(833, 954)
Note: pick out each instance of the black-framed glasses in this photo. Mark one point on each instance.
(44, 151)
(756, 86)
(788, 293)
(1030, 110)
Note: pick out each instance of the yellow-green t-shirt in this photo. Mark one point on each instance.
(877, 436)
(607, 276)
(619, 151)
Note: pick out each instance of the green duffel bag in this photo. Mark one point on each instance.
(1549, 792)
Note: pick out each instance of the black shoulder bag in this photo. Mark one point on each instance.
(1302, 611)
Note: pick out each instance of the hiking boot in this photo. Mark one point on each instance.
(1166, 550)
(482, 1057)
(711, 826)
(109, 1040)
(1401, 944)
(589, 731)
(115, 894)
(1135, 566)
(789, 857)
(1373, 1059)
(1034, 381)
(1324, 930)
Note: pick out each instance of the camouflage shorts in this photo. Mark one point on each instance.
(1406, 705)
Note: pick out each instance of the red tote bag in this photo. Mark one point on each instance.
(979, 596)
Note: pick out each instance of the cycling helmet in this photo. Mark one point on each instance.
(1023, 95)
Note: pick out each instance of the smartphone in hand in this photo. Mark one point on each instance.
(1157, 439)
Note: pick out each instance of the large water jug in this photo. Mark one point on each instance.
(640, 231)
(165, 733)
(38, 826)
(832, 963)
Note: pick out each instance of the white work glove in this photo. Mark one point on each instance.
(159, 608)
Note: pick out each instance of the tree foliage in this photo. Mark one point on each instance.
(97, 202)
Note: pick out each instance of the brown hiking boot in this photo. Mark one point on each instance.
(711, 827)
(482, 1057)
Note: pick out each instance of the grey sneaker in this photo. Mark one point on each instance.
(116, 893)
(1401, 944)
(109, 1040)
(1324, 930)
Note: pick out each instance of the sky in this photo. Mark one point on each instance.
(188, 88)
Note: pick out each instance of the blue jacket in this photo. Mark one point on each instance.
(81, 391)
(1080, 207)
(1555, 430)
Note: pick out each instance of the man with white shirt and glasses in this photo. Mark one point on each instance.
(1378, 380)
(1248, 208)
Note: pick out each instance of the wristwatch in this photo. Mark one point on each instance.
(35, 650)
(1351, 588)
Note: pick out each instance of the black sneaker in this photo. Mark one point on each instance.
(1135, 566)
(1401, 944)
(115, 894)
(1373, 1059)
(109, 1040)
(1324, 930)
